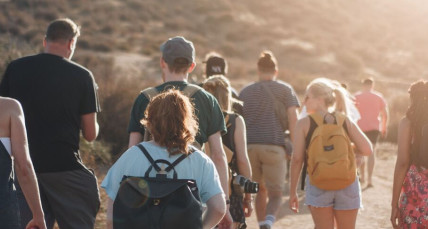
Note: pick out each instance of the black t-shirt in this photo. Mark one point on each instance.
(54, 93)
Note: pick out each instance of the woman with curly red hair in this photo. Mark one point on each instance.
(171, 120)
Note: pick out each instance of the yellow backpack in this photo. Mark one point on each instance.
(331, 160)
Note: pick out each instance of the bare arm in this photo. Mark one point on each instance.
(360, 140)
(24, 168)
(134, 139)
(89, 126)
(109, 213)
(401, 165)
(242, 159)
(216, 208)
(297, 159)
(292, 120)
(384, 117)
(218, 156)
(241, 148)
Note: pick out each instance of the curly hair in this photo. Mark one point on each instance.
(171, 120)
(418, 110)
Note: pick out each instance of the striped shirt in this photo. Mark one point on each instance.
(263, 127)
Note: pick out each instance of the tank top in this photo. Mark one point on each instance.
(6, 175)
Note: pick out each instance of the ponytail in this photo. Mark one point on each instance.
(340, 103)
(333, 93)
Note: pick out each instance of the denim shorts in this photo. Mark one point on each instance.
(344, 199)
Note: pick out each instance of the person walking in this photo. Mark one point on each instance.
(215, 64)
(12, 133)
(236, 143)
(176, 62)
(59, 98)
(171, 120)
(327, 206)
(372, 107)
(266, 136)
(409, 208)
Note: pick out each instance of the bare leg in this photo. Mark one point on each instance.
(323, 217)
(274, 202)
(346, 219)
(370, 167)
(261, 202)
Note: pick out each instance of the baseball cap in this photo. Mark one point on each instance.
(177, 47)
(215, 65)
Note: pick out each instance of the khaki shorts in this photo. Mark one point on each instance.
(268, 165)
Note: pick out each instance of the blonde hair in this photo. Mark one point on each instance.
(335, 96)
(219, 87)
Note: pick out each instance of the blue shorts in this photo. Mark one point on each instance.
(344, 199)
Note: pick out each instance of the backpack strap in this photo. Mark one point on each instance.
(150, 92)
(152, 162)
(157, 168)
(190, 90)
(173, 164)
(312, 126)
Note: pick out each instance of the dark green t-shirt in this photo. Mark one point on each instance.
(208, 112)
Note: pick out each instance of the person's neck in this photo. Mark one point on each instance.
(58, 51)
(267, 77)
(168, 77)
(322, 110)
(367, 89)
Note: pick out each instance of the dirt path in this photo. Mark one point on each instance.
(376, 200)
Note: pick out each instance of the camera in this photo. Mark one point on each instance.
(241, 184)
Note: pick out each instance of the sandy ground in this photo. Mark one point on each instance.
(376, 200)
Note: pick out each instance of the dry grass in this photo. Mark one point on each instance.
(343, 40)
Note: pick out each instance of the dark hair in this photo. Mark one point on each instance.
(180, 65)
(215, 64)
(171, 120)
(368, 81)
(418, 110)
(267, 62)
(63, 29)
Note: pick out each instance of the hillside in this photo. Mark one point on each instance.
(120, 42)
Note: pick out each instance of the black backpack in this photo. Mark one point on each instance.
(158, 202)
(420, 150)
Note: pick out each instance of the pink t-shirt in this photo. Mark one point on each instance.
(369, 104)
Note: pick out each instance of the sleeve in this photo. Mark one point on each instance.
(292, 99)
(89, 102)
(210, 182)
(137, 113)
(4, 85)
(217, 120)
(111, 182)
